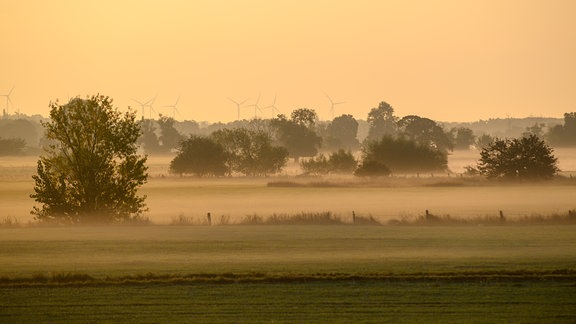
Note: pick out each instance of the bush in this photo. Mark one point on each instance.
(403, 155)
(526, 158)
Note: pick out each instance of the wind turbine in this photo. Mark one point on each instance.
(143, 105)
(150, 103)
(174, 109)
(332, 104)
(8, 101)
(256, 107)
(273, 107)
(238, 104)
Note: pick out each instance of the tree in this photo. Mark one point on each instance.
(372, 168)
(526, 158)
(403, 155)
(300, 140)
(564, 135)
(19, 128)
(200, 156)
(251, 152)
(382, 122)
(149, 139)
(338, 162)
(91, 172)
(483, 141)
(169, 136)
(12, 146)
(342, 133)
(304, 117)
(464, 138)
(425, 132)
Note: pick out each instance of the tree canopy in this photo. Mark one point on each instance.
(526, 158)
(91, 172)
(382, 122)
(201, 156)
(403, 155)
(251, 152)
(294, 135)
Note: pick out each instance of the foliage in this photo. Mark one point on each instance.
(342, 132)
(19, 129)
(316, 165)
(300, 140)
(372, 168)
(304, 117)
(463, 138)
(149, 139)
(169, 136)
(425, 132)
(92, 171)
(564, 135)
(526, 158)
(200, 156)
(251, 152)
(403, 155)
(12, 146)
(483, 141)
(338, 162)
(382, 122)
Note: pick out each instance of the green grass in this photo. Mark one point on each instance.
(317, 301)
(288, 273)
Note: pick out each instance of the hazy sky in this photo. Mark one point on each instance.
(447, 60)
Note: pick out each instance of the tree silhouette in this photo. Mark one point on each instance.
(201, 156)
(403, 155)
(382, 122)
(91, 172)
(300, 140)
(251, 152)
(526, 158)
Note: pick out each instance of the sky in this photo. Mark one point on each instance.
(460, 60)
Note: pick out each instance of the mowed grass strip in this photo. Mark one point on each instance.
(319, 301)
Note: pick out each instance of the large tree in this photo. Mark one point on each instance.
(564, 135)
(425, 132)
(201, 156)
(342, 133)
(382, 122)
(294, 135)
(169, 135)
(526, 158)
(251, 152)
(91, 172)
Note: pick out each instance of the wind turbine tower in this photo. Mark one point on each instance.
(174, 109)
(143, 105)
(256, 107)
(273, 107)
(238, 104)
(332, 104)
(8, 101)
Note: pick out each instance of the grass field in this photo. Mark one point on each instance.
(335, 273)
(475, 272)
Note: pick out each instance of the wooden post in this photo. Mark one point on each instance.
(353, 217)
(502, 219)
(427, 215)
(209, 219)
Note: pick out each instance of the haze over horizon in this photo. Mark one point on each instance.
(445, 60)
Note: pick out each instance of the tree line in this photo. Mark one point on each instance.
(92, 168)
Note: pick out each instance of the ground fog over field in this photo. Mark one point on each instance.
(229, 200)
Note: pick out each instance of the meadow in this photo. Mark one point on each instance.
(179, 269)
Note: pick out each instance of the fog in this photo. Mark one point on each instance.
(229, 200)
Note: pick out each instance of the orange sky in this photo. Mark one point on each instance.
(447, 60)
